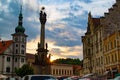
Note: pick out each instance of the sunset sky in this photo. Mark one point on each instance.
(66, 23)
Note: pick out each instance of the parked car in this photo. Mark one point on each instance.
(73, 78)
(62, 77)
(117, 78)
(39, 77)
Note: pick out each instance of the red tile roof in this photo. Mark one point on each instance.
(30, 56)
(4, 45)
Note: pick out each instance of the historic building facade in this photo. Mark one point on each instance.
(13, 52)
(112, 53)
(102, 34)
(54, 69)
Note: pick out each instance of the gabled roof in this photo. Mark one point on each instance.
(4, 45)
(96, 21)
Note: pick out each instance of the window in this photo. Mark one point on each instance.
(114, 43)
(16, 51)
(53, 71)
(111, 45)
(59, 72)
(22, 46)
(62, 71)
(106, 60)
(15, 59)
(16, 45)
(115, 57)
(56, 71)
(70, 72)
(88, 40)
(16, 39)
(65, 72)
(22, 51)
(8, 59)
(22, 39)
(7, 69)
(22, 59)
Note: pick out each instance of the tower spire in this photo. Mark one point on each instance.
(20, 28)
(21, 9)
(20, 16)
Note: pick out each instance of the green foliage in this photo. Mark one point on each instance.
(24, 70)
(68, 61)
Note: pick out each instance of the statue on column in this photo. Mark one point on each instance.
(43, 16)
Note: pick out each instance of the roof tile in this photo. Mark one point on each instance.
(4, 45)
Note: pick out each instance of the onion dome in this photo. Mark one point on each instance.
(19, 29)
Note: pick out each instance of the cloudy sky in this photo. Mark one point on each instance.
(66, 23)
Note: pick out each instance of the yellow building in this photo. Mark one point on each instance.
(100, 56)
(112, 53)
(92, 47)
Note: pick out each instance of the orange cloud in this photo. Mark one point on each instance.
(55, 51)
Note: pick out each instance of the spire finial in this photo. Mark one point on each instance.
(20, 28)
(21, 9)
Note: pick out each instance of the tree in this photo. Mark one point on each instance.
(24, 70)
(68, 61)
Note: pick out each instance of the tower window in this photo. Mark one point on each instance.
(16, 39)
(8, 59)
(22, 51)
(22, 46)
(22, 39)
(16, 45)
(16, 51)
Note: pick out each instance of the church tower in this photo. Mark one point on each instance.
(41, 57)
(19, 43)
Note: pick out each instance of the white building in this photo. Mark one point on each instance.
(13, 52)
